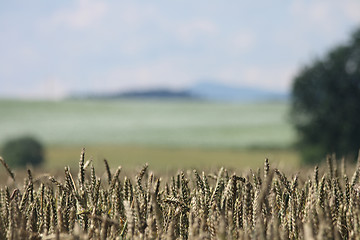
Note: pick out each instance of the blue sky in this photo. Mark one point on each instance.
(52, 48)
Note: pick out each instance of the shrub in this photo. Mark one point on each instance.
(22, 151)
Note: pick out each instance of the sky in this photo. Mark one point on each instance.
(49, 49)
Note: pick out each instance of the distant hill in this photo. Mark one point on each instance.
(147, 94)
(221, 92)
(210, 91)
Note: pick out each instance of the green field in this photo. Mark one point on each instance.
(181, 132)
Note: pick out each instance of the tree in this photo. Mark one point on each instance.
(22, 151)
(325, 107)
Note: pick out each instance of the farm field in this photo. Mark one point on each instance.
(182, 133)
(170, 159)
(109, 203)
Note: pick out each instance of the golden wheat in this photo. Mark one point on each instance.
(189, 205)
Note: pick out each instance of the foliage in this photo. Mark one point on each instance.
(326, 103)
(268, 204)
(22, 151)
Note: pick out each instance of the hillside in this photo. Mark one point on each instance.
(207, 90)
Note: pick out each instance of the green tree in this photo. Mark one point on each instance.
(325, 106)
(22, 151)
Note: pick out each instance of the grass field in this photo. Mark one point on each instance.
(166, 159)
(168, 135)
(152, 123)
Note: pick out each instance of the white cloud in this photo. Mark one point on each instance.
(132, 44)
(243, 41)
(319, 14)
(22, 57)
(352, 10)
(278, 78)
(318, 26)
(274, 78)
(85, 14)
(189, 32)
(135, 15)
(325, 14)
(51, 88)
(162, 73)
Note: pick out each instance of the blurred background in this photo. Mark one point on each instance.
(177, 84)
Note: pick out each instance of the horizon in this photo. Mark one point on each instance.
(195, 91)
(54, 49)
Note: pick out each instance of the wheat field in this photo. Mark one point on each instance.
(267, 203)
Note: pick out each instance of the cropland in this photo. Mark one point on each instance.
(170, 170)
(267, 203)
(166, 134)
